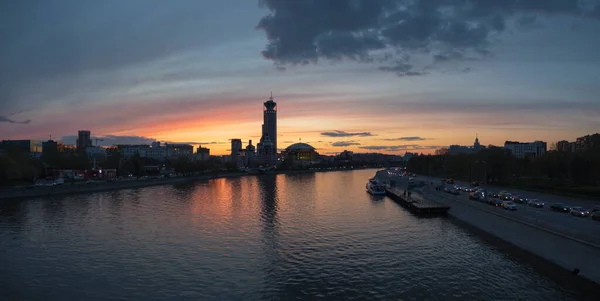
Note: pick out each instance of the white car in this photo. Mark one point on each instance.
(509, 205)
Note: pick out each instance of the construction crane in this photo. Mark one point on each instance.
(98, 140)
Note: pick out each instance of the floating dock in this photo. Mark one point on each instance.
(416, 203)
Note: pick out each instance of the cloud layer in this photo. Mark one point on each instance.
(394, 148)
(392, 31)
(344, 143)
(412, 138)
(7, 119)
(338, 133)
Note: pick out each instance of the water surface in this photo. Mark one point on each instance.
(273, 237)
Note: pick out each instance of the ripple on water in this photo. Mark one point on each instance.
(285, 237)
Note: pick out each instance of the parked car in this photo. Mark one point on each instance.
(509, 205)
(475, 184)
(448, 190)
(580, 212)
(560, 207)
(596, 208)
(449, 181)
(455, 192)
(595, 215)
(493, 194)
(536, 203)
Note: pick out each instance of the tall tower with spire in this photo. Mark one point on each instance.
(268, 140)
(476, 145)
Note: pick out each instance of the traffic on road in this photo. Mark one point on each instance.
(575, 217)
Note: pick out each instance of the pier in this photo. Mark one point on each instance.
(416, 204)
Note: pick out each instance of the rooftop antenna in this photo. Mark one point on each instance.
(271, 98)
(50, 136)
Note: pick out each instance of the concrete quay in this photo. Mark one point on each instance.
(569, 242)
(416, 204)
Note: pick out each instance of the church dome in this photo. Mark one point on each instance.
(300, 147)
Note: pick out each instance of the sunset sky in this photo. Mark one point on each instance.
(372, 75)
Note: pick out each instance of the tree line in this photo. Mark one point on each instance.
(497, 165)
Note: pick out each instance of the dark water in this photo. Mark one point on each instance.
(285, 237)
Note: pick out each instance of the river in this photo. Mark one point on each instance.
(272, 237)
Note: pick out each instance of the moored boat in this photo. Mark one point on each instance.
(375, 187)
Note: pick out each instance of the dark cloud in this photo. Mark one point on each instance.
(413, 138)
(304, 31)
(344, 143)
(338, 133)
(9, 120)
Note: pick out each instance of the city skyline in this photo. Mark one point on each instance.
(136, 72)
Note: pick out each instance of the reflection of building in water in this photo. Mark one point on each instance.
(268, 193)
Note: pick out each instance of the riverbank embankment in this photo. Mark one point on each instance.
(569, 248)
(99, 186)
(574, 254)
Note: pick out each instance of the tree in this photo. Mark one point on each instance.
(441, 151)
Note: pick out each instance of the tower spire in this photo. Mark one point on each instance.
(271, 98)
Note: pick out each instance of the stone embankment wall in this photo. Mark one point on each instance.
(562, 249)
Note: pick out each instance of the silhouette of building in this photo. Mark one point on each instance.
(300, 154)
(84, 140)
(236, 147)
(49, 146)
(565, 146)
(27, 146)
(267, 147)
(460, 149)
(202, 153)
(587, 143)
(526, 149)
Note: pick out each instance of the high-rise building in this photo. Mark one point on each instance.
(49, 146)
(526, 149)
(84, 140)
(236, 147)
(268, 140)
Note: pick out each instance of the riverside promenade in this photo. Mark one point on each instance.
(576, 251)
(97, 186)
(25, 192)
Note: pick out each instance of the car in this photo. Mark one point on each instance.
(595, 215)
(448, 190)
(596, 208)
(509, 205)
(519, 199)
(455, 192)
(505, 196)
(449, 181)
(495, 202)
(473, 196)
(475, 184)
(580, 212)
(560, 207)
(493, 194)
(536, 203)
